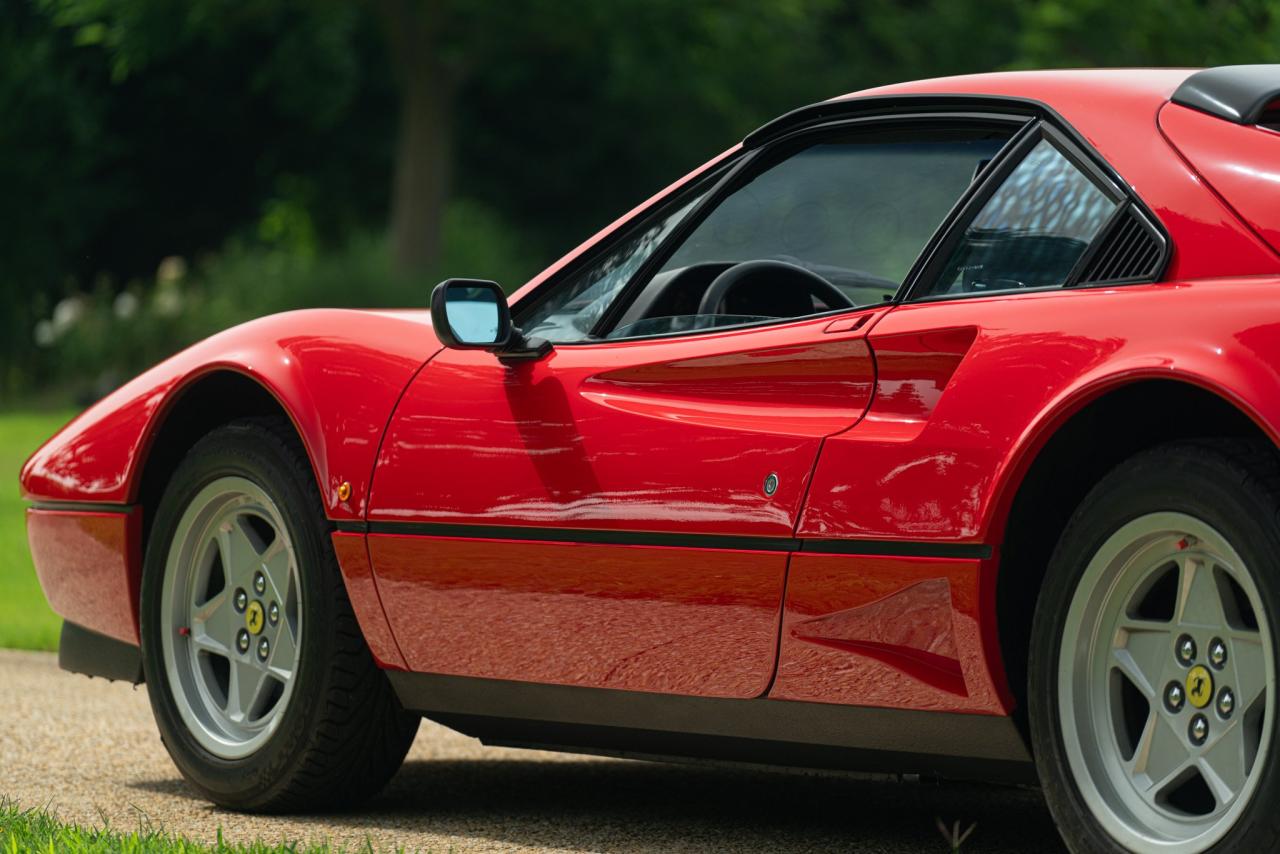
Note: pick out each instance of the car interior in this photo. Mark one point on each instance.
(823, 225)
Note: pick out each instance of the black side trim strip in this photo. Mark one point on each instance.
(82, 506)
(85, 651)
(894, 548)
(878, 106)
(574, 535)
(897, 548)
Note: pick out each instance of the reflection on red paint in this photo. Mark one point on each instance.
(910, 629)
(362, 590)
(826, 387)
(90, 566)
(701, 622)
(667, 435)
(885, 631)
(946, 472)
(912, 370)
(336, 373)
(1242, 162)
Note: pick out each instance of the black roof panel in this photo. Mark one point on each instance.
(1237, 93)
(896, 105)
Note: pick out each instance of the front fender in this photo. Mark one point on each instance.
(337, 373)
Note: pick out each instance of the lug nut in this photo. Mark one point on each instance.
(1198, 730)
(273, 613)
(259, 583)
(1217, 653)
(1185, 650)
(1226, 703)
(241, 599)
(1174, 696)
(242, 640)
(264, 649)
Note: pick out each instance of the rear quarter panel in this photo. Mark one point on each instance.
(942, 450)
(1241, 162)
(940, 468)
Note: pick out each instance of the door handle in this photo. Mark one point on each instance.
(846, 324)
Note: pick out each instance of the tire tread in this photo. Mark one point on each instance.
(1249, 468)
(358, 734)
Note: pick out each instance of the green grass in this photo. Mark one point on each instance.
(25, 619)
(39, 831)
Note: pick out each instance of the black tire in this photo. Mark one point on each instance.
(1234, 486)
(343, 734)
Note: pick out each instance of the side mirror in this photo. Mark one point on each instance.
(472, 314)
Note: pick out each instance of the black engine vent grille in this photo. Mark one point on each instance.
(1132, 251)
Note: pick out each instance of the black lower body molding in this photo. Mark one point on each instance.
(759, 731)
(85, 651)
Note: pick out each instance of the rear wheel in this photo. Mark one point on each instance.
(1152, 678)
(263, 689)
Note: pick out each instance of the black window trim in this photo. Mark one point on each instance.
(929, 267)
(758, 161)
(712, 178)
(730, 181)
(724, 178)
(1037, 120)
(925, 274)
(1127, 208)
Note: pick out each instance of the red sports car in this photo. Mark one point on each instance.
(931, 429)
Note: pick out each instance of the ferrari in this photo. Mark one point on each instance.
(932, 430)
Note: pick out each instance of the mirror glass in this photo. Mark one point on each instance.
(473, 314)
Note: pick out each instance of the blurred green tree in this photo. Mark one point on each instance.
(131, 130)
(715, 62)
(1087, 33)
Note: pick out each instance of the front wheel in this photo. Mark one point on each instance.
(263, 689)
(1152, 675)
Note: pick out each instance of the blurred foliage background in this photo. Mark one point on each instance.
(169, 168)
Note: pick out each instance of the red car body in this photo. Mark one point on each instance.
(598, 519)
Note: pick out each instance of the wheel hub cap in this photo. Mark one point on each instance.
(254, 618)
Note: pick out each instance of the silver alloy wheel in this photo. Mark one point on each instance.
(231, 617)
(1166, 685)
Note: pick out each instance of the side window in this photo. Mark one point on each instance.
(575, 305)
(1031, 232)
(836, 224)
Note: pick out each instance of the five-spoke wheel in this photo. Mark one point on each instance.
(1152, 672)
(264, 691)
(232, 623)
(1163, 682)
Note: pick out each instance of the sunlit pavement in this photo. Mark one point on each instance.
(88, 749)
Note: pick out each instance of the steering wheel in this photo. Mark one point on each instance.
(718, 291)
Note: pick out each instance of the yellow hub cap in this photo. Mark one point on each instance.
(1199, 686)
(254, 618)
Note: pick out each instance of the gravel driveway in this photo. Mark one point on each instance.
(88, 749)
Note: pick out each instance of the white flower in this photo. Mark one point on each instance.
(65, 315)
(125, 306)
(44, 334)
(168, 301)
(171, 269)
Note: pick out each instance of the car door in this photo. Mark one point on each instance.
(620, 514)
(989, 334)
